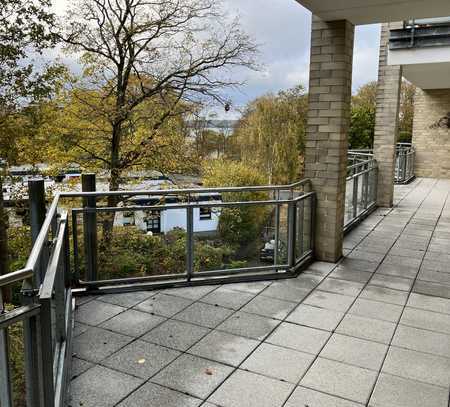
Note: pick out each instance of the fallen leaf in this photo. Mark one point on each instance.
(209, 372)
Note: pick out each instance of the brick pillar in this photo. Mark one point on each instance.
(326, 136)
(386, 123)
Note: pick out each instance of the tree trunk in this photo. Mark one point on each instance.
(114, 183)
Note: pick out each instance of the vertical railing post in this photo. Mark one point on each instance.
(189, 242)
(36, 196)
(47, 353)
(277, 230)
(404, 165)
(5, 376)
(355, 196)
(291, 233)
(90, 227)
(366, 188)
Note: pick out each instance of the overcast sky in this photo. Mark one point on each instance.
(282, 29)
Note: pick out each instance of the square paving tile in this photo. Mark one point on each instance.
(316, 317)
(246, 389)
(192, 375)
(280, 363)
(79, 328)
(357, 264)
(133, 323)
(159, 396)
(269, 307)
(355, 351)
(351, 275)
(79, 366)
(101, 387)
(252, 288)
(349, 288)
(435, 289)
(334, 302)
(95, 312)
(307, 397)
(396, 283)
(204, 314)
(400, 392)
(284, 292)
(384, 295)
(301, 338)
(365, 328)
(429, 303)
(419, 366)
(142, 359)
(176, 334)
(376, 310)
(350, 382)
(164, 305)
(249, 325)
(227, 298)
(304, 281)
(397, 270)
(224, 347)
(426, 320)
(191, 293)
(127, 300)
(422, 340)
(96, 344)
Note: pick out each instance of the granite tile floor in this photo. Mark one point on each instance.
(372, 330)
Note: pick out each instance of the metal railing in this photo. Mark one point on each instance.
(45, 315)
(290, 210)
(404, 163)
(48, 280)
(361, 188)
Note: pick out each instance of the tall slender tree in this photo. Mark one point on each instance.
(24, 34)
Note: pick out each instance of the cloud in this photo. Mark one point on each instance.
(282, 28)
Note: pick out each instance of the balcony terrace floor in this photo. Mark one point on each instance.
(372, 330)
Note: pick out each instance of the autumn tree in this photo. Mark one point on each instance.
(24, 34)
(271, 135)
(405, 126)
(362, 119)
(363, 115)
(148, 61)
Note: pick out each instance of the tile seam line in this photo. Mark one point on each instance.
(412, 286)
(365, 285)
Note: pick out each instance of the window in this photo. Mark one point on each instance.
(205, 213)
(128, 218)
(153, 221)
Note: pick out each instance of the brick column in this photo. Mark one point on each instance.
(326, 136)
(386, 123)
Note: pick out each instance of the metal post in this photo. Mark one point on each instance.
(291, 233)
(277, 230)
(366, 189)
(5, 376)
(36, 196)
(90, 227)
(355, 196)
(190, 242)
(47, 353)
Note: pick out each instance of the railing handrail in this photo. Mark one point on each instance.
(15, 277)
(252, 188)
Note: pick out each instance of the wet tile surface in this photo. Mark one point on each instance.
(372, 330)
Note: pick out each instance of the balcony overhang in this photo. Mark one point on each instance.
(424, 53)
(376, 11)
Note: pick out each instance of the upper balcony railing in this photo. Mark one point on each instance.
(432, 32)
(361, 188)
(404, 163)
